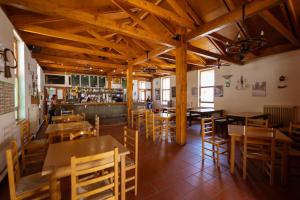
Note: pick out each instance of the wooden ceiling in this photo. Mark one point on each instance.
(105, 36)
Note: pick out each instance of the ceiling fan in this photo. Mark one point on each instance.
(218, 64)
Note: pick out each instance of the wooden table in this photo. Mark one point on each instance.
(237, 132)
(202, 112)
(243, 116)
(172, 109)
(165, 117)
(58, 158)
(67, 118)
(56, 129)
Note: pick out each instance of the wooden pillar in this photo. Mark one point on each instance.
(109, 80)
(129, 92)
(181, 91)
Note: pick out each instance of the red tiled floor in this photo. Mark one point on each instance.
(172, 172)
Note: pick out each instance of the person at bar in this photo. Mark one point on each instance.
(52, 108)
(149, 103)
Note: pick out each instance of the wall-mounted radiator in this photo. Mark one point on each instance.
(281, 115)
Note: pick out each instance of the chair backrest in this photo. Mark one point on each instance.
(25, 137)
(264, 123)
(131, 142)
(294, 133)
(87, 172)
(13, 167)
(83, 116)
(97, 125)
(82, 134)
(207, 127)
(256, 137)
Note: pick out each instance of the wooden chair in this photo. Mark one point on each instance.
(260, 144)
(264, 123)
(153, 126)
(97, 125)
(33, 151)
(83, 116)
(131, 142)
(209, 138)
(82, 134)
(33, 186)
(88, 180)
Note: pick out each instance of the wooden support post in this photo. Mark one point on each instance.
(181, 90)
(129, 92)
(109, 80)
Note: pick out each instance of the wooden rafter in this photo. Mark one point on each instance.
(227, 19)
(92, 63)
(161, 12)
(79, 50)
(54, 9)
(276, 24)
(154, 53)
(178, 9)
(72, 37)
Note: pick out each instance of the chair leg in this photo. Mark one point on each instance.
(203, 151)
(244, 166)
(218, 156)
(135, 181)
(213, 148)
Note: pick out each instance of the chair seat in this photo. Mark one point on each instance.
(36, 144)
(100, 196)
(31, 182)
(215, 140)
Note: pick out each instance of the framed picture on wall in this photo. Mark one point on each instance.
(219, 91)
(173, 92)
(157, 94)
(259, 89)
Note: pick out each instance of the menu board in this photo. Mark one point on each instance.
(85, 81)
(101, 81)
(6, 97)
(93, 80)
(75, 80)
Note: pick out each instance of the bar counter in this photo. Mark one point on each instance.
(104, 110)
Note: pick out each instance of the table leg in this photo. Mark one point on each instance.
(190, 119)
(284, 163)
(53, 187)
(232, 154)
(123, 177)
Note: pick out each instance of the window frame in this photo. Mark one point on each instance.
(16, 46)
(163, 90)
(200, 102)
(143, 90)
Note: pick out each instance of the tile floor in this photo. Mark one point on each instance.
(172, 172)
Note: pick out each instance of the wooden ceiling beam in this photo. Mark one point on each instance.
(178, 9)
(227, 19)
(74, 49)
(209, 54)
(85, 62)
(173, 59)
(54, 9)
(154, 53)
(293, 14)
(71, 37)
(276, 24)
(161, 12)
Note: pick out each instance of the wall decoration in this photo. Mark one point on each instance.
(242, 84)
(227, 79)
(259, 89)
(194, 91)
(219, 92)
(157, 94)
(173, 92)
(282, 82)
(6, 97)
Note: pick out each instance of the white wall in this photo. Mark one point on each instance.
(192, 81)
(7, 121)
(265, 69)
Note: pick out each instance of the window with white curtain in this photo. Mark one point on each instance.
(166, 90)
(207, 84)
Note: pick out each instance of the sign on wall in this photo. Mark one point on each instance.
(6, 97)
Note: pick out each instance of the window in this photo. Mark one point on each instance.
(16, 90)
(207, 83)
(144, 90)
(166, 91)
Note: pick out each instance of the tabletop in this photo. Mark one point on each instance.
(82, 125)
(66, 117)
(165, 115)
(245, 114)
(202, 110)
(59, 155)
(239, 131)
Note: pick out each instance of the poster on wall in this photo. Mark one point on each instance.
(173, 92)
(194, 91)
(259, 89)
(219, 92)
(157, 94)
